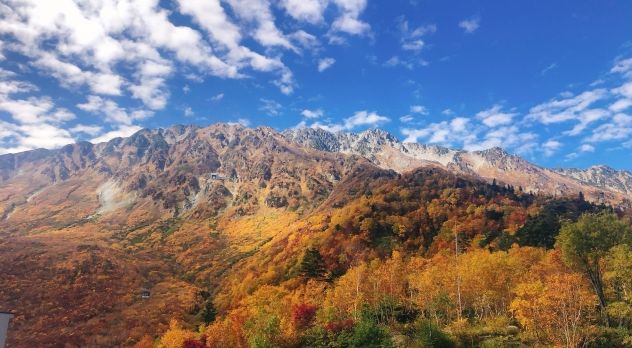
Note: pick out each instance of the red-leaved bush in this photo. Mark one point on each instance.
(303, 314)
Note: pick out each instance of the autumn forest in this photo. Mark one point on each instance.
(431, 260)
(227, 237)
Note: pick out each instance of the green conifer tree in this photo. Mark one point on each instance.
(313, 265)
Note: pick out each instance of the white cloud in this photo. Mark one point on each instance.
(411, 39)
(226, 34)
(406, 119)
(414, 45)
(97, 44)
(620, 105)
(444, 132)
(85, 44)
(44, 136)
(317, 113)
(494, 117)
(122, 131)
(188, 112)
(30, 110)
(348, 21)
(419, 109)
(624, 90)
(623, 67)
(270, 107)
(305, 40)
(548, 68)
(151, 92)
(310, 11)
(285, 82)
(509, 137)
(258, 13)
(23, 137)
(392, 62)
(108, 84)
(358, 119)
(364, 118)
(7, 130)
(550, 147)
(470, 25)
(620, 128)
(112, 112)
(586, 148)
(586, 118)
(241, 121)
(11, 87)
(489, 128)
(217, 97)
(35, 121)
(569, 108)
(86, 129)
(395, 61)
(325, 63)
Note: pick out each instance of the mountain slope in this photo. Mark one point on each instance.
(603, 177)
(92, 225)
(597, 184)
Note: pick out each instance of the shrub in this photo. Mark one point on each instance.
(303, 315)
(427, 334)
(367, 334)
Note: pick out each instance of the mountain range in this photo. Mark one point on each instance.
(172, 167)
(599, 183)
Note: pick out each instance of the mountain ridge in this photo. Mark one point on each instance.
(600, 183)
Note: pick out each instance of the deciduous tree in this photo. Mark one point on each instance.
(585, 243)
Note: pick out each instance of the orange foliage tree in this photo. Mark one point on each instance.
(556, 308)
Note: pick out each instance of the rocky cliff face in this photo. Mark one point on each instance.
(597, 183)
(601, 176)
(166, 172)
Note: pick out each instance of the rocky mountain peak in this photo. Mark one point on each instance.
(377, 135)
(316, 138)
(494, 152)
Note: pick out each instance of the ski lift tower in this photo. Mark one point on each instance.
(4, 325)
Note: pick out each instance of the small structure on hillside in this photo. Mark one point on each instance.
(218, 176)
(5, 317)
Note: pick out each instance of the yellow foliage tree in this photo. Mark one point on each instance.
(175, 336)
(557, 309)
(227, 332)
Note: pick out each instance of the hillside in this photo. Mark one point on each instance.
(95, 224)
(219, 217)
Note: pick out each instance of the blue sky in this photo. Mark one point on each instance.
(550, 81)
